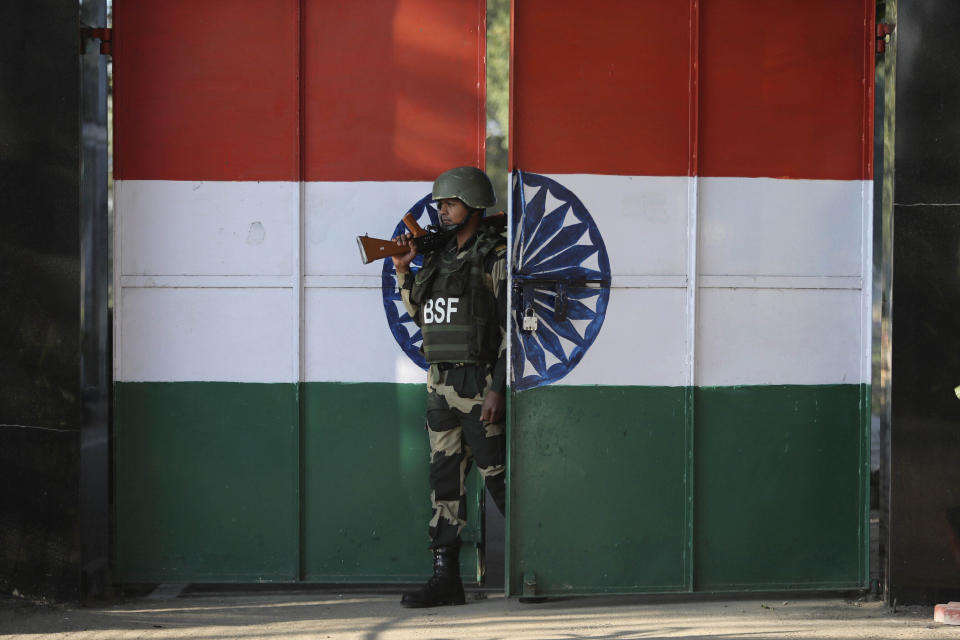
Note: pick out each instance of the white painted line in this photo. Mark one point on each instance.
(649, 282)
(780, 282)
(343, 282)
(206, 282)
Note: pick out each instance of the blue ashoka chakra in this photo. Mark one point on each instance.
(405, 331)
(555, 240)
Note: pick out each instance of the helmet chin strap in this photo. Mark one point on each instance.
(453, 228)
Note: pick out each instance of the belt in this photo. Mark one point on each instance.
(447, 366)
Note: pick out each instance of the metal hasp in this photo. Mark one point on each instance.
(105, 36)
(884, 31)
(524, 288)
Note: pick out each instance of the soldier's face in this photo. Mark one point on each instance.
(452, 211)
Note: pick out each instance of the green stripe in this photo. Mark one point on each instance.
(367, 484)
(598, 489)
(208, 479)
(206, 482)
(781, 487)
(601, 502)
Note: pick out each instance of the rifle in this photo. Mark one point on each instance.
(425, 240)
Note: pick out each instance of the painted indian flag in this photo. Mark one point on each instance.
(268, 426)
(713, 435)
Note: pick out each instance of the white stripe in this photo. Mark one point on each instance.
(763, 226)
(643, 219)
(337, 212)
(231, 335)
(203, 294)
(346, 335)
(801, 247)
(779, 336)
(346, 339)
(643, 341)
(644, 223)
(117, 294)
(208, 273)
(693, 277)
(866, 301)
(298, 316)
(206, 228)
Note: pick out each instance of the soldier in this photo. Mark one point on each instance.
(459, 300)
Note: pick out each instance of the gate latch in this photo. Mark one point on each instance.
(884, 32)
(105, 36)
(529, 321)
(527, 288)
(560, 303)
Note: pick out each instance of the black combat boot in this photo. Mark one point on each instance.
(444, 587)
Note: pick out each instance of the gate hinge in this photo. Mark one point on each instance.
(105, 36)
(884, 32)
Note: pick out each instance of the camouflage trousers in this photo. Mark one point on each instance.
(458, 439)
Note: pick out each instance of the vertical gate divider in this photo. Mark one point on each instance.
(298, 294)
(511, 175)
(693, 235)
(885, 94)
(868, 170)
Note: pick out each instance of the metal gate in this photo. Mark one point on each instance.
(692, 281)
(269, 421)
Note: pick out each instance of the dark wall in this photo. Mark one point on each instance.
(925, 434)
(40, 388)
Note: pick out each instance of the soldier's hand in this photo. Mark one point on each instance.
(402, 263)
(494, 407)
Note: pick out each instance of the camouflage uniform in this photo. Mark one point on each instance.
(455, 394)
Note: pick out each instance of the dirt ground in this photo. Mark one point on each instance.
(169, 612)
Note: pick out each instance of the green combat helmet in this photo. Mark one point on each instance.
(468, 184)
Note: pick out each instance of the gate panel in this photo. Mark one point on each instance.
(206, 475)
(269, 418)
(602, 116)
(783, 332)
(393, 96)
(734, 356)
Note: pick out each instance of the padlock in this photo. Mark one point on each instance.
(529, 320)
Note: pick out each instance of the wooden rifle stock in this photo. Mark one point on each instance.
(413, 226)
(425, 241)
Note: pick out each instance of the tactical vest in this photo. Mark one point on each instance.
(458, 311)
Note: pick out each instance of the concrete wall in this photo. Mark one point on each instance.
(40, 383)
(925, 435)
